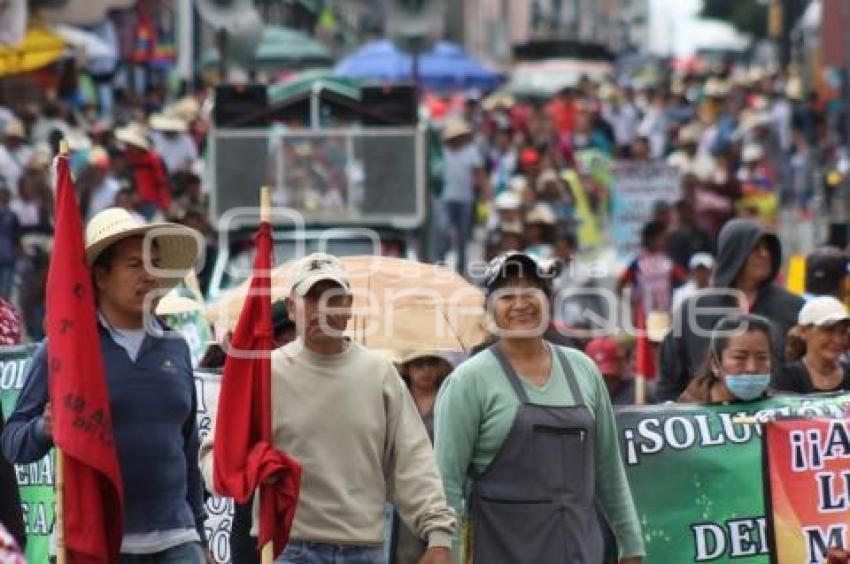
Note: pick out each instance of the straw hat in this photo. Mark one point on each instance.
(187, 108)
(541, 214)
(716, 88)
(518, 184)
(499, 101)
(794, 88)
(134, 135)
(456, 128)
(78, 141)
(178, 245)
(657, 325)
(41, 157)
(690, 134)
(164, 122)
(15, 128)
(507, 201)
(751, 153)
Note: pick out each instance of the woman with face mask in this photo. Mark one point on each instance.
(525, 438)
(739, 364)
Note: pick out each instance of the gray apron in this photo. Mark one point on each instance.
(535, 502)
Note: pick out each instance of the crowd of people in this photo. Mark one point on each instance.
(447, 450)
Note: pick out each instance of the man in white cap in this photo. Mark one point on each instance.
(151, 389)
(700, 267)
(346, 415)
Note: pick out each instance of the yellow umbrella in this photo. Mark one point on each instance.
(39, 48)
(399, 305)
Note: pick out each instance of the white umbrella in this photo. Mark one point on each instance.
(92, 45)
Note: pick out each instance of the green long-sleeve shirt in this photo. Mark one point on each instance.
(476, 408)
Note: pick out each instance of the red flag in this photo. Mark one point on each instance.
(82, 421)
(644, 357)
(244, 457)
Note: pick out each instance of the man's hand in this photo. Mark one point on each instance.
(631, 560)
(47, 421)
(437, 555)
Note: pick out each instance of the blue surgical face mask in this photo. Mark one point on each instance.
(747, 387)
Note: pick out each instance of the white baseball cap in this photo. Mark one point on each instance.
(701, 259)
(315, 268)
(823, 311)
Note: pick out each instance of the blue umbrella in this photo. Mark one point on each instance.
(445, 67)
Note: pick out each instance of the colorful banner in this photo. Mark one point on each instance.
(809, 472)
(696, 474)
(35, 480)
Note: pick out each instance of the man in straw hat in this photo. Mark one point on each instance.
(344, 413)
(15, 153)
(151, 388)
(146, 171)
(463, 171)
(171, 140)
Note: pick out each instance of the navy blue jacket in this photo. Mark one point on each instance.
(153, 406)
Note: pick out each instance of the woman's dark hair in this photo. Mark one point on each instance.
(404, 369)
(733, 326)
(651, 231)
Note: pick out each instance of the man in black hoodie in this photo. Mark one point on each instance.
(748, 260)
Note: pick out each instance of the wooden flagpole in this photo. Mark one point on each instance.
(267, 553)
(59, 470)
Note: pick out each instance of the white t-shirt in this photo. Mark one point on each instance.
(103, 196)
(458, 173)
(175, 151)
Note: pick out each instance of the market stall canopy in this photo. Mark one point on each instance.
(281, 47)
(399, 305)
(313, 81)
(39, 48)
(542, 79)
(446, 67)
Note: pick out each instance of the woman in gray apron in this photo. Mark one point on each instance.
(526, 441)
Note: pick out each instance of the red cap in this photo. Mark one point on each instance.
(529, 157)
(606, 354)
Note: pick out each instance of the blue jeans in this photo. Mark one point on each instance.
(188, 553)
(459, 215)
(302, 552)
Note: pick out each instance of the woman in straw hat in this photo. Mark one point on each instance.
(151, 388)
(531, 426)
(423, 372)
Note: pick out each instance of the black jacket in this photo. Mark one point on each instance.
(684, 349)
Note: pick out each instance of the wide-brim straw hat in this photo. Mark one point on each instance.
(15, 129)
(164, 122)
(178, 245)
(456, 128)
(186, 108)
(134, 135)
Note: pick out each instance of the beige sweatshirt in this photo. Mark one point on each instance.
(352, 424)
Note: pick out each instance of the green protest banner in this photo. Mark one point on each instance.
(34, 480)
(697, 476)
